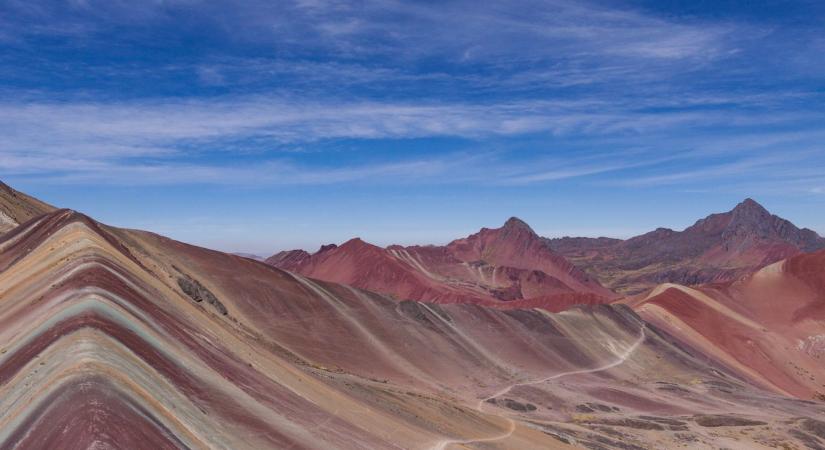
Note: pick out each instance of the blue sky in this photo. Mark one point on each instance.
(257, 126)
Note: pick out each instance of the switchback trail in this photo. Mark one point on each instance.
(443, 444)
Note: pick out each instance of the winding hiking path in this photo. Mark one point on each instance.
(443, 444)
(621, 359)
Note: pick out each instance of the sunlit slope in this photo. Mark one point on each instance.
(769, 327)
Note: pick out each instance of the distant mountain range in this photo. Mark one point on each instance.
(514, 264)
(719, 247)
(507, 264)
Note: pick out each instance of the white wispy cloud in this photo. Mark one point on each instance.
(149, 128)
(771, 169)
(163, 141)
(273, 172)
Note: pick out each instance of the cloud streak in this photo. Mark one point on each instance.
(172, 141)
(140, 128)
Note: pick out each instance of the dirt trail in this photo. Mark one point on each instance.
(443, 444)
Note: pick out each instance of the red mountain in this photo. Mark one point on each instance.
(511, 263)
(717, 248)
(767, 326)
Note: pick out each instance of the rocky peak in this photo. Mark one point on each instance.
(749, 203)
(750, 219)
(750, 208)
(515, 222)
(354, 242)
(514, 225)
(357, 245)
